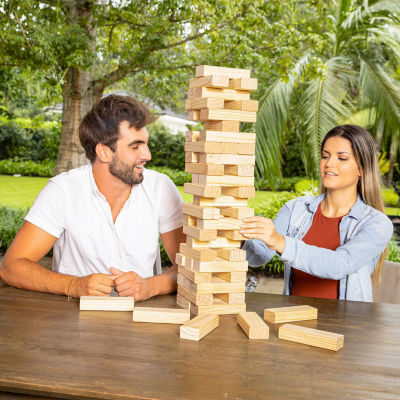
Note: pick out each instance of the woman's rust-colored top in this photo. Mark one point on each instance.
(324, 232)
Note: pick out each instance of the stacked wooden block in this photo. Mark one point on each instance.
(212, 267)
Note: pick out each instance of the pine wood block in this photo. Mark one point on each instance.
(196, 277)
(211, 114)
(220, 265)
(161, 315)
(199, 327)
(216, 81)
(220, 201)
(182, 302)
(219, 307)
(228, 126)
(212, 147)
(180, 259)
(232, 254)
(205, 169)
(253, 325)
(225, 180)
(201, 212)
(233, 235)
(189, 220)
(238, 170)
(225, 223)
(199, 254)
(191, 157)
(237, 212)
(238, 276)
(311, 337)
(194, 298)
(230, 137)
(193, 115)
(200, 234)
(204, 102)
(247, 148)
(203, 191)
(240, 159)
(243, 84)
(195, 179)
(216, 243)
(217, 285)
(231, 298)
(242, 105)
(241, 192)
(226, 94)
(192, 136)
(106, 303)
(205, 70)
(289, 314)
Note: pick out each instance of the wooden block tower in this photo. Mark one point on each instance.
(212, 267)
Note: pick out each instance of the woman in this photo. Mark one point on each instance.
(331, 244)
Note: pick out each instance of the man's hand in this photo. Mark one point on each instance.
(131, 284)
(92, 285)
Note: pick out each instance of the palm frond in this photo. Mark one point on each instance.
(365, 118)
(389, 37)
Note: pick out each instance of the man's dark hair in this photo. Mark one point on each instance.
(101, 123)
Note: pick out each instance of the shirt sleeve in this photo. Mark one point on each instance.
(48, 211)
(170, 203)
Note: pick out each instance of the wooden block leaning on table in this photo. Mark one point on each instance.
(311, 337)
(289, 314)
(199, 327)
(205, 70)
(106, 303)
(226, 94)
(161, 315)
(253, 325)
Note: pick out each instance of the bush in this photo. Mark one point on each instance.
(27, 168)
(10, 222)
(393, 253)
(286, 185)
(390, 198)
(177, 176)
(306, 186)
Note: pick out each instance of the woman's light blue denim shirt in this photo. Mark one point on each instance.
(364, 234)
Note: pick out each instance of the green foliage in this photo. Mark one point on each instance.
(271, 208)
(286, 184)
(390, 198)
(177, 176)
(393, 253)
(27, 168)
(306, 186)
(10, 222)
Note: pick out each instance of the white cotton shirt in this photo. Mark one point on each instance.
(71, 208)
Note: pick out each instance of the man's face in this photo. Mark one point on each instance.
(131, 154)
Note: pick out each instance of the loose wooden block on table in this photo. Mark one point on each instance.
(220, 201)
(288, 314)
(206, 169)
(161, 315)
(238, 170)
(226, 94)
(220, 265)
(228, 126)
(200, 234)
(217, 81)
(242, 105)
(201, 212)
(253, 325)
(232, 254)
(240, 159)
(205, 70)
(237, 212)
(106, 303)
(199, 254)
(311, 337)
(210, 114)
(204, 102)
(243, 84)
(225, 180)
(199, 327)
(203, 191)
(230, 137)
(217, 243)
(241, 192)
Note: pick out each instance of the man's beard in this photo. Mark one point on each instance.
(124, 172)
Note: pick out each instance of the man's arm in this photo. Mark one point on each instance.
(131, 284)
(20, 267)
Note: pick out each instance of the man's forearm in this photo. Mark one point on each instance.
(164, 283)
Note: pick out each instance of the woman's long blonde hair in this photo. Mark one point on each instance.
(369, 184)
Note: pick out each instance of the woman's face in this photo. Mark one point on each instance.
(338, 166)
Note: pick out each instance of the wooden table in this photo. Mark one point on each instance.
(49, 348)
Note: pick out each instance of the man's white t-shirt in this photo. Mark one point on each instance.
(71, 208)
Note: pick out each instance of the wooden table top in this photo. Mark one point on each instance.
(49, 348)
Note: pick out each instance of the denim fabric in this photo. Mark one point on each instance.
(364, 234)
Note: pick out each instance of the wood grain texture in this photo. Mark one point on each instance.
(232, 254)
(243, 83)
(242, 105)
(208, 158)
(253, 325)
(158, 315)
(203, 102)
(207, 169)
(106, 303)
(220, 201)
(204, 191)
(200, 234)
(241, 192)
(199, 327)
(214, 244)
(219, 308)
(211, 114)
(226, 180)
(217, 81)
(224, 223)
(226, 94)
(237, 212)
(199, 254)
(217, 285)
(290, 314)
(220, 265)
(204, 70)
(230, 137)
(201, 212)
(239, 170)
(228, 126)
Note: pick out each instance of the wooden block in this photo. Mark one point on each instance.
(213, 147)
(217, 285)
(203, 191)
(238, 170)
(205, 70)
(192, 136)
(289, 314)
(210, 114)
(221, 201)
(161, 315)
(195, 179)
(230, 137)
(219, 307)
(247, 148)
(237, 212)
(217, 243)
(237, 276)
(226, 94)
(201, 212)
(232, 254)
(196, 277)
(206, 169)
(242, 105)
(193, 115)
(311, 337)
(253, 325)
(229, 126)
(182, 302)
(199, 254)
(231, 298)
(199, 327)
(241, 192)
(224, 223)
(189, 220)
(200, 234)
(220, 265)
(191, 157)
(216, 81)
(180, 259)
(106, 303)
(240, 159)
(204, 102)
(233, 235)
(225, 180)
(243, 84)
(194, 298)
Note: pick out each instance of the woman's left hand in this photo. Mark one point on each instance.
(263, 229)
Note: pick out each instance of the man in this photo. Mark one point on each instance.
(103, 219)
